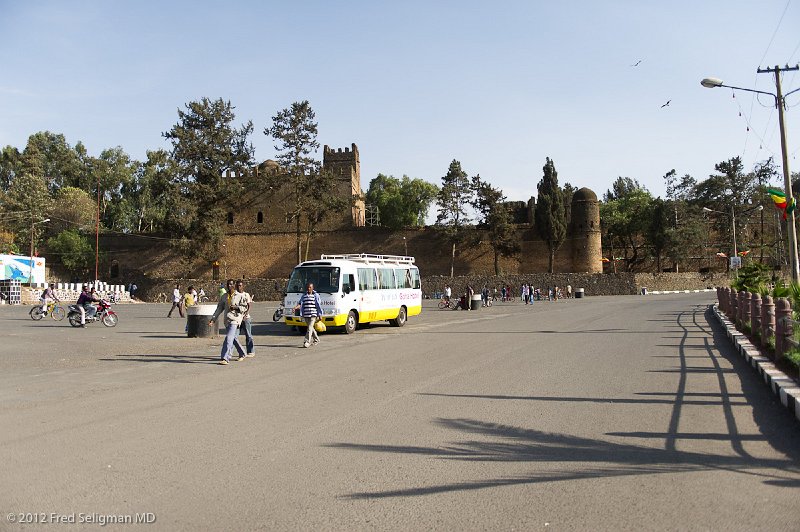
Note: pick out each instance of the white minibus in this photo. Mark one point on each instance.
(357, 288)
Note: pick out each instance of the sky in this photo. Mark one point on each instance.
(499, 86)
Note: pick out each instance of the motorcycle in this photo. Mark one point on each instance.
(278, 313)
(104, 314)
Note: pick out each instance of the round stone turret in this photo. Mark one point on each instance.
(587, 251)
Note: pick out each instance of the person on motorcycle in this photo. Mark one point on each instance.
(85, 301)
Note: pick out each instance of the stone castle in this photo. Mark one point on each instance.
(267, 211)
(261, 243)
(264, 214)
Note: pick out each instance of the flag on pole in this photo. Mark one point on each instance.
(744, 253)
(779, 198)
(722, 255)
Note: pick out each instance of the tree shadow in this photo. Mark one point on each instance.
(490, 442)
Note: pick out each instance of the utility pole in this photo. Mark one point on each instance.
(787, 180)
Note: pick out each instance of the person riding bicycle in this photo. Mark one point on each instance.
(85, 301)
(47, 296)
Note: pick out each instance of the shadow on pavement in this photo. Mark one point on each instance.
(604, 459)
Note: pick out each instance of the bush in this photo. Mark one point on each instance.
(74, 249)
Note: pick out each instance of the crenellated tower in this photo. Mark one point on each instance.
(346, 167)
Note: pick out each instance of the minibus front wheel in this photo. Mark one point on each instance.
(351, 323)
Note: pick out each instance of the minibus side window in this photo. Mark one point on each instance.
(386, 277)
(415, 278)
(348, 283)
(403, 277)
(366, 279)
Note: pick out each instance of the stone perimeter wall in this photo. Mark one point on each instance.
(597, 284)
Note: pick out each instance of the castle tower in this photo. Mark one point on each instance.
(585, 231)
(346, 168)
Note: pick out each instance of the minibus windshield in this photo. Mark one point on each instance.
(324, 278)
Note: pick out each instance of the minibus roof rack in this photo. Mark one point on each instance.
(369, 258)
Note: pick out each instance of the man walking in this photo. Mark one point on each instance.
(234, 305)
(310, 311)
(176, 301)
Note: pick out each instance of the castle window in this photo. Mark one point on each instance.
(230, 217)
(260, 217)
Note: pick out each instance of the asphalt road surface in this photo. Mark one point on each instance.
(606, 413)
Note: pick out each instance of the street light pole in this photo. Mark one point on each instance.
(787, 180)
(733, 226)
(780, 103)
(30, 272)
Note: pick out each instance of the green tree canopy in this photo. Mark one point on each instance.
(401, 202)
(205, 146)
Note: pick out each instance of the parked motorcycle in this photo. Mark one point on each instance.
(104, 314)
(278, 313)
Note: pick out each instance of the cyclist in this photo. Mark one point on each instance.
(47, 296)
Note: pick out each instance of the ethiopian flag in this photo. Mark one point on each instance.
(779, 198)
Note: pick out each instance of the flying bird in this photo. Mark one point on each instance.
(666, 104)
(636, 63)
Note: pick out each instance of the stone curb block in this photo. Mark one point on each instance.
(657, 292)
(781, 384)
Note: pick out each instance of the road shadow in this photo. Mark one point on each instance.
(178, 359)
(481, 441)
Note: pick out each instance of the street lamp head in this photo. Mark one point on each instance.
(706, 209)
(711, 83)
(46, 220)
(760, 208)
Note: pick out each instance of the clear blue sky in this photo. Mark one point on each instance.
(496, 85)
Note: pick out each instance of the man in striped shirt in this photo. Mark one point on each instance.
(310, 311)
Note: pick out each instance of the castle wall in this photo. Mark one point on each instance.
(257, 255)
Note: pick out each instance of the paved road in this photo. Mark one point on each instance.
(623, 413)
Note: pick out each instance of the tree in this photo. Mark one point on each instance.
(622, 186)
(28, 200)
(453, 198)
(74, 249)
(9, 166)
(401, 203)
(313, 193)
(659, 229)
(151, 193)
(114, 172)
(567, 192)
(624, 217)
(49, 155)
(549, 216)
(730, 191)
(206, 145)
(72, 209)
(494, 216)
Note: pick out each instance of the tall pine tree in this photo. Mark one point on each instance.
(550, 221)
(452, 200)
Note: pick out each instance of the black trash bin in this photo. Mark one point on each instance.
(579, 293)
(197, 318)
(476, 302)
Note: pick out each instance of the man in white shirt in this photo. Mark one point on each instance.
(176, 301)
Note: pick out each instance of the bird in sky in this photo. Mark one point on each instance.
(666, 104)
(636, 63)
